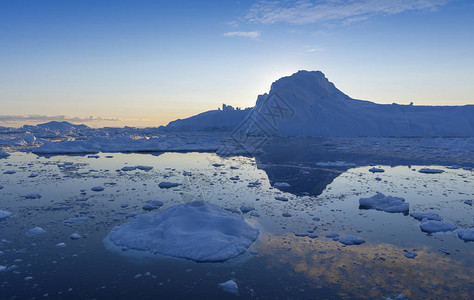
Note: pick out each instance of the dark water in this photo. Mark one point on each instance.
(280, 264)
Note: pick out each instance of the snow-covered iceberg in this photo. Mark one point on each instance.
(197, 230)
(307, 104)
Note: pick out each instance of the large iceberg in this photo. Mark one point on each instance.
(308, 104)
(197, 230)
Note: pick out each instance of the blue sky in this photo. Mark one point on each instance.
(145, 63)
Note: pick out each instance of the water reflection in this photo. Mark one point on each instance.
(370, 270)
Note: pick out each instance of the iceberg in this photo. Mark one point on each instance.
(197, 231)
(384, 203)
(466, 235)
(432, 226)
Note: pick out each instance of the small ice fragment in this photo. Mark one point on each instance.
(432, 226)
(351, 240)
(217, 165)
(466, 235)
(152, 205)
(75, 236)
(376, 170)
(145, 168)
(76, 220)
(186, 173)
(5, 214)
(245, 209)
(332, 235)
(9, 172)
(82, 199)
(28, 278)
(230, 287)
(128, 169)
(279, 198)
(429, 216)
(378, 178)
(61, 245)
(444, 250)
(312, 235)
(430, 171)
(281, 185)
(298, 234)
(316, 219)
(286, 215)
(410, 254)
(1, 186)
(468, 202)
(32, 196)
(384, 203)
(97, 189)
(35, 231)
(235, 178)
(167, 185)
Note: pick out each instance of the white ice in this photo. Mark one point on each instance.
(384, 203)
(197, 230)
(230, 286)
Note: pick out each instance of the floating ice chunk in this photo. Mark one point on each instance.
(430, 171)
(376, 170)
(197, 230)
(351, 240)
(76, 220)
(28, 278)
(254, 184)
(429, 216)
(82, 199)
(35, 231)
(75, 236)
(5, 214)
(32, 196)
(279, 198)
(33, 175)
(281, 185)
(186, 173)
(217, 165)
(167, 185)
(1, 186)
(466, 235)
(410, 254)
(61, 245)
(128, 168)
(9, 172)
(97, 189)
(235, 178)
(230, 287)
(432, 226)
(153, 204)
(336, 164)
(286, 215)
(29, 138)
(468, 202)
(245, 209)
(384, 203)
(2, 268)
(332, 235)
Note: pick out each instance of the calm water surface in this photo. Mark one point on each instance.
(281, 264)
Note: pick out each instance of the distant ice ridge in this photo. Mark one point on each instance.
(197, 230)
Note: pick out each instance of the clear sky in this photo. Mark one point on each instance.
(145, 63)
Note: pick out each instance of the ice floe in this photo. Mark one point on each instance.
(384, 203)
(167, 185)
(152, 205)
(229, 286)
(351, 240)
(429, 216)
(5, 214)
(466, 235)
(197, 230)
(35, 231)
(432, 226)
(75, 236)
(430, 171)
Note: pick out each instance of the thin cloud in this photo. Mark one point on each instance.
(44, 118)
(333, 11)
(246, 34)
